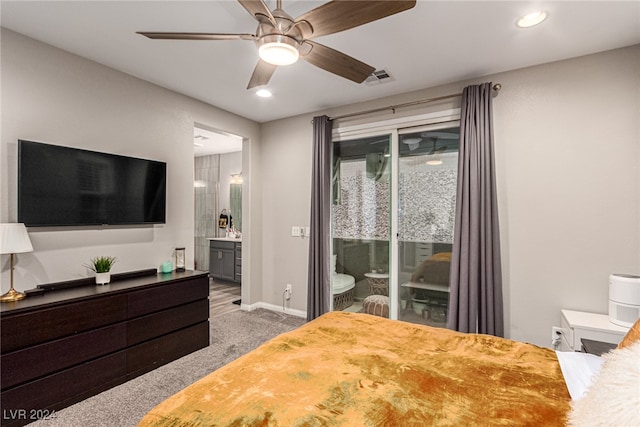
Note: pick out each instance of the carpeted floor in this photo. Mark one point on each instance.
(232, 335)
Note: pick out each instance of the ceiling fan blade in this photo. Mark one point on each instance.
(337, 62)
(258, 7)
(340, 15)
(195, 36)
(261, 74)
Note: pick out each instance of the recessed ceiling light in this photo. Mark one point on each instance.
(531, 19)
(264, 93)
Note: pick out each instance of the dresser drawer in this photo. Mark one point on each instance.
(69, 386)
(33, 362)
(160, 297)
(154, 325)
(157, 352)
(27, 329)
(602, 336)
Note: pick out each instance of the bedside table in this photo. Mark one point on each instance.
(579, 325)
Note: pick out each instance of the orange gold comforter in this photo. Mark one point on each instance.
(346, 369)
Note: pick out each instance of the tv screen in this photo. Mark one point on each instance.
(62, 186)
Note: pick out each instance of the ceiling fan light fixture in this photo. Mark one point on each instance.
(278, 49)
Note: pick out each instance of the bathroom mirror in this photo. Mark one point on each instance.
(235, 202)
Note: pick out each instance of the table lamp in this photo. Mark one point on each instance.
(13, 240)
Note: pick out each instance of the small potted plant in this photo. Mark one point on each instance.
(102, 267)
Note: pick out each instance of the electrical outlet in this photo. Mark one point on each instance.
(556, 333)
(287, 292)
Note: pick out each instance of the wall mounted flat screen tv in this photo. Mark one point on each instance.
(62, 186)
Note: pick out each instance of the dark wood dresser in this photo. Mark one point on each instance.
(67, 345)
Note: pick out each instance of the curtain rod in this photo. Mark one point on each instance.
(496, 88)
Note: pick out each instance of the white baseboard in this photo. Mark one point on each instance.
(273, 307)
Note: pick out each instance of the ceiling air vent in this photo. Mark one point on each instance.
(379, 76)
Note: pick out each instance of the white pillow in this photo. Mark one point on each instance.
(579, 371)
(614, 396)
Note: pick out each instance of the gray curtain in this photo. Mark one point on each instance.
(475, 300)
(319, 292)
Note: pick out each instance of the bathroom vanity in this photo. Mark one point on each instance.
(225, 259)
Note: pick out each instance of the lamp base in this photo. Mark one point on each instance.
(12, 296)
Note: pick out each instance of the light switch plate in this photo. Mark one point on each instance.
(295, 231)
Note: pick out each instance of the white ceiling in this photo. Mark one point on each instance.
(436, 42)
(206, 142)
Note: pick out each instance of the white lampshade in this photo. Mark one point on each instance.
(14, 239)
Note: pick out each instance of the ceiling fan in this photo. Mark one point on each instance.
(282, 40)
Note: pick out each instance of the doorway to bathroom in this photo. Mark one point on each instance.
(392, 218)
(218, 198)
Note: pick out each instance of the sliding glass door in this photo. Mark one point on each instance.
(427, 179)
(360, 221)
(392, 218)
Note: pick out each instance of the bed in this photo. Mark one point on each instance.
(353, 369)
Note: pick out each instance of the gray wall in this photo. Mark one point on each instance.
(50, 95)
(568, 156)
